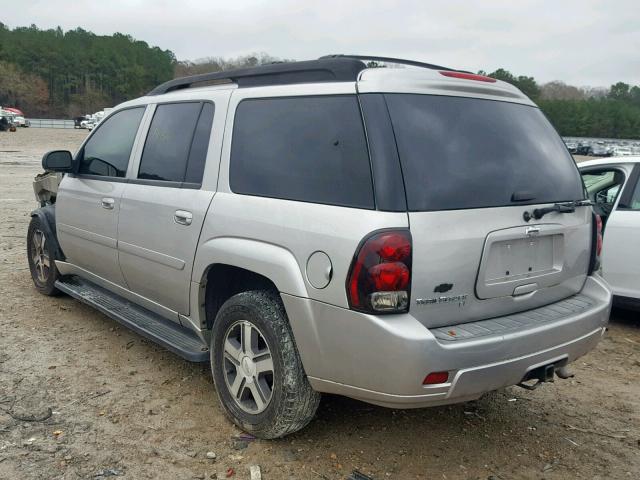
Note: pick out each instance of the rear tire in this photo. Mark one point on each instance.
(256, 367)
(41, 260)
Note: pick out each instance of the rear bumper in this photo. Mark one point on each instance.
(383, 360)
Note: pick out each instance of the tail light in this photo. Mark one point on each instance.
(596, 244)
(379, 279)
(598, 235)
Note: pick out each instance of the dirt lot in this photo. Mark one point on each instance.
(82, 397)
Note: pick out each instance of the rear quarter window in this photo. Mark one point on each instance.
(460, 153)
(176, 146)
(310, 149)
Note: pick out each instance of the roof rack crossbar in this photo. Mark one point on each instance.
(400, 61)
(312, 71)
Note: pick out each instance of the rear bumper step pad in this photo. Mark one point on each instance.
(170, 335)
(517, 321)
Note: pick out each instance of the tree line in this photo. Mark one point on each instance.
(583, 112)
(53, 73)
(57, 74)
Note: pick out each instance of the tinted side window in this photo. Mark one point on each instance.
(168, 142)
(200, 145)
(107, 151)
(311, 149)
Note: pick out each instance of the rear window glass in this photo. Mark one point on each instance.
(311, 149)
(459, 153)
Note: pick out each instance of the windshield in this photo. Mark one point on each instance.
(459, 153)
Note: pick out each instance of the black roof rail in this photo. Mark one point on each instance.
(400, 61)
(311, 71)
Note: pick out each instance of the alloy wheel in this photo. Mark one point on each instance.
(40, 256)
(248, 367)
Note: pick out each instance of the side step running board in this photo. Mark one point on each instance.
(170, 335)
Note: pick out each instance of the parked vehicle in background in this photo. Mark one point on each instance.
(77, 121)
(614, 187)
(572, 147)
(19, 117)
(583, 149)
(600, 151)
(622, 152)
(22, 122)
(89, 121)
(254, 225)
(8, 121)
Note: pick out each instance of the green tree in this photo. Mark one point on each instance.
(526, 85)
(619, 91)
(24, 91)
(81, 69)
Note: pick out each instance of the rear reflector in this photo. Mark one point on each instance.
(435, 378)
(468, 76)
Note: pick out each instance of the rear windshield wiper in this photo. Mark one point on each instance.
(564, 207)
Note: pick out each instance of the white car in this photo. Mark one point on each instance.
(614, 187)
(88, 123)
(622, 152)
(22, 122)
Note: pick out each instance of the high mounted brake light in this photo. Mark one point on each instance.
(380, 275)
(468, 76)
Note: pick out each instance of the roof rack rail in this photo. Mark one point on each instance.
(400, 61)
(311, 71)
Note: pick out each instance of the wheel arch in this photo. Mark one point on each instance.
(223, 281)
(227, 266)
(47, 217)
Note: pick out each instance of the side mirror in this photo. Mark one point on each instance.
(57, 161)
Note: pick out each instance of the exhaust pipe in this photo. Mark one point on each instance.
(564, 373)
(544, 374)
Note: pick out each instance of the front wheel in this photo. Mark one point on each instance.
(256, 367)
(40, 256)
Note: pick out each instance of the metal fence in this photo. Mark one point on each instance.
(50, 123)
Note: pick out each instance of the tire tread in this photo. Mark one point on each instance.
(298, 401)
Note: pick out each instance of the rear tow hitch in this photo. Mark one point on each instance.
(542, 375)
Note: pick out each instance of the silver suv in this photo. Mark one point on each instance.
(404, 236)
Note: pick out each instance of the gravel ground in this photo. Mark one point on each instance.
(82, 397)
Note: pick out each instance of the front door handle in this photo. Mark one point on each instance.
(107, 203)
(183, 217)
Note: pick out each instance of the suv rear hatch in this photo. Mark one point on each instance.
(472, 167)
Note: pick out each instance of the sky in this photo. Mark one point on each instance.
(583, 43)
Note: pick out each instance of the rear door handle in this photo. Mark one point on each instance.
(108, 203)
(182, 217)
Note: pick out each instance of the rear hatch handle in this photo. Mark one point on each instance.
(566, 207)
